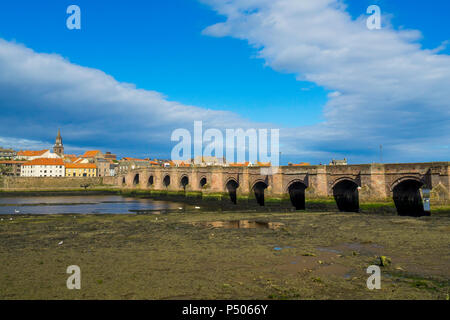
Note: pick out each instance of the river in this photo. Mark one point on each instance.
(95, 204)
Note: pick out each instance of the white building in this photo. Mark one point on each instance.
(43, 167)
(31, 154)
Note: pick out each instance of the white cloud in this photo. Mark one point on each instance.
(386, 88)
(41, 92)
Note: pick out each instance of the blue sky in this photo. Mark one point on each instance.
(158, 45)
(162, 46)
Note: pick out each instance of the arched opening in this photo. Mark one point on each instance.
(258, 189)
(166, 181)
(136, 179)
(150, 181)
(203, 181)
(346, 196)
(184, 182)
(124, 181)
(232, 187)
(297, 195)
(407, 198)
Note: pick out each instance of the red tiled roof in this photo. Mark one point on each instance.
(237, 164)
(134, 159)
(44, 162)
(90, 154)
(31, 153)
(182, 164)
(301, 164)
(11, 162)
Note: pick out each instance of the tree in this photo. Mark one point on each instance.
(5, 170)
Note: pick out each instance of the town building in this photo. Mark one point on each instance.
(127, 163)
(109, 156)
(335, 162)
(7, 153)
(206, 161)
(301, 164)
(92, 155)
(104, 167)
(81, 170)
(31, 155)
(11, 167)
(43, 167)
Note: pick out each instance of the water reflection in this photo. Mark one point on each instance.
(82, 204)
(239, 224)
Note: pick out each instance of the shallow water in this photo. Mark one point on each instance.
(239, 224)
(99, 204)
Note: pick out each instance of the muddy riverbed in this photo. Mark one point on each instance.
(198, 255)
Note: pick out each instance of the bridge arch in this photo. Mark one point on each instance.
(231, 186)
(203, 181)
(136, 179)
(405, 178)
(407, 197)
(166, 181)
(151, 180)
(296, 190)
(184, 181)
(346, 194)
(124, 181)
(258, 188)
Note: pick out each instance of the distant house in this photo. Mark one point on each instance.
(110, 156)
(31, 155)
(92, 155)
(43, 167)
(104, 167)
(70, 158)
(13, 167)
(126, 164)
(7, 153)
(206, 161)
(301, 164)
(335, 162)
(81, 170)
(240, 164)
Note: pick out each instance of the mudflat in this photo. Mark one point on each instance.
(234, 255)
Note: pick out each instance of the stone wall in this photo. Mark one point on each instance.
(50, 183)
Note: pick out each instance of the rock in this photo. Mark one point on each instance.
(308, 254)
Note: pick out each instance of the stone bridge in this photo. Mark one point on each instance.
(411, 186)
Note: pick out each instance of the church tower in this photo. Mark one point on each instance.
(58, 148)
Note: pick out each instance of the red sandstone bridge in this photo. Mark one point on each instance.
(411, 186)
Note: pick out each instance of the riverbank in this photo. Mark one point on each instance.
(311, 255)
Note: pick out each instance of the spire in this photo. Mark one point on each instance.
(58, 148)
